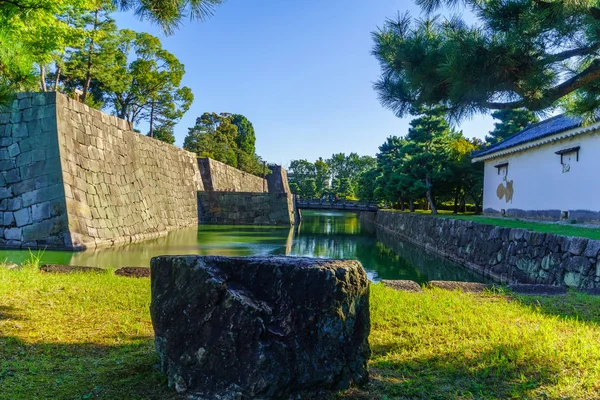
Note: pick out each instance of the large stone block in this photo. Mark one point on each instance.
(264, 328)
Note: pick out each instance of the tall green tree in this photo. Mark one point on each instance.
(367, 184)
(510, 122)
(147, 88)
(429, 146)
(245, 140)
(322, 176)
(518, 54)
(87, 66)
(213, 136)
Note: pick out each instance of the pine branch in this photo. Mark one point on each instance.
(587, 76)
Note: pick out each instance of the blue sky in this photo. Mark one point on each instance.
(300, 70)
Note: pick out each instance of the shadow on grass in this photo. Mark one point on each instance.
(574, 307)
(501, 372)
(8, 313)
(81, 371)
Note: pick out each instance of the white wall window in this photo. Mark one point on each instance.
(567, 157)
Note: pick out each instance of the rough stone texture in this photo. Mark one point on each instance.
(133, 272)
(121, 186)
(468, 287)
(237, 208)
(403, 285)
(218, 176)
(264, 328)
(507, 255)
(32, 201)
(73, 177)
(277, 180)
(68, 269)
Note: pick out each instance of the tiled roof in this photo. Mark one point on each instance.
(551, 126)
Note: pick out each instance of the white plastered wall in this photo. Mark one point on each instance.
(540, 182)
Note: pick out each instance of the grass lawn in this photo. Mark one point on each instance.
(558, 229)
(89, 336)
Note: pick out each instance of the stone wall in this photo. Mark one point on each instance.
(32, 200)
(507, 255)
(86, 180)
(237, 208)
(218, 176)
(277, 180)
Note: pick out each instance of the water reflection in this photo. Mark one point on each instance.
(321, 234)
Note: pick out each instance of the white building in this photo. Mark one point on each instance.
(548, 170)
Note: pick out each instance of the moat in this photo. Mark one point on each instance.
(321, 234)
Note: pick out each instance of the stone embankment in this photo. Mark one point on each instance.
(507, 255)
(220, 177)
(72, 177)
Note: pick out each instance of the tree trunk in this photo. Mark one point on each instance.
(462, 206)
(43, 78)
(58, 71)
(477, 206)
(411, 205)
(430, 197)
(151, 133)
(455, 203)
(88, 74)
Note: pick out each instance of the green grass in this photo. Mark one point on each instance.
(89, 336)
(555, 228)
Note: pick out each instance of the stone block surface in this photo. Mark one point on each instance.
(260, 327)
(73, 177)
(507, 255)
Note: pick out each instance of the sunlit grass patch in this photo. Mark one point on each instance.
(89, 336)
(442, 344)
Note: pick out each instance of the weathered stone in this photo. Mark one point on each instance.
(577, 245)
(403, 285)
(268, 328)
(8, 219)
(592, 249)
(23, 217)
(469, 287)
(501, 253)
(13, 150)
(12, 233)
(5, 192)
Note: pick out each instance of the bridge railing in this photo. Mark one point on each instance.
(337, 204)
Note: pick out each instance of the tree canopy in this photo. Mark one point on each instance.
(530, 54)
(338, 175)
(35, 33)
(217, 136)
(430, 165)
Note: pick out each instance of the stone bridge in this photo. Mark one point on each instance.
(339, 205)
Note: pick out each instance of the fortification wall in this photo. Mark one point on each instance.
(32, 200)
(238, 208)
(99, 184)
(508, 255)
(221, 177)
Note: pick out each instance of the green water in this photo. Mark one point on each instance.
(321, 234)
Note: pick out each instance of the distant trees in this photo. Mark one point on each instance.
(338, 175)
(429, 166)
(225, 137)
